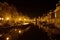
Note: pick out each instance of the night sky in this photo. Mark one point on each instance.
(33, 8)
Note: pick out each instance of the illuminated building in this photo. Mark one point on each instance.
(57, 15)
(57, 10)
(53, 15)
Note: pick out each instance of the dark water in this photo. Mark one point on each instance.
(34, 33)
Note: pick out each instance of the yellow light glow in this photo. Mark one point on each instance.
(19, 19)
(2, 18)
(24, 19)
(7, 18)
(25, 23)
(0, 35)
(7, 38)
(20, 31)
(55, 15)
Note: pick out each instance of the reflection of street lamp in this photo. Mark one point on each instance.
(15, 29)
(25, 23)
(0, 35)
(20, 31)
(7, 38)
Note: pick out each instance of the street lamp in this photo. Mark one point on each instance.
(24, 19)
(7, 18)
(2, 18)
(19, 19)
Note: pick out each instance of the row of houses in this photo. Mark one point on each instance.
(54, 16)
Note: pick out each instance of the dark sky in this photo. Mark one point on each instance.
(33, 8)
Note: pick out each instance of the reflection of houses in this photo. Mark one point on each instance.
(54, 15)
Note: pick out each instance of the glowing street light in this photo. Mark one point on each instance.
(7, 38)
(24, 19)
(2, 18)
(7, 18)
(19, 19)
